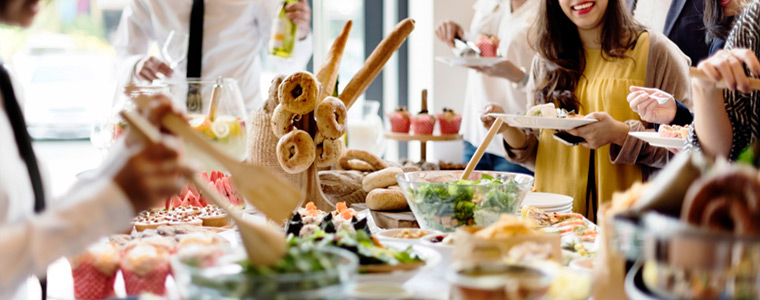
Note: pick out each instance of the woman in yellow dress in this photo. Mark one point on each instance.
(589, 54)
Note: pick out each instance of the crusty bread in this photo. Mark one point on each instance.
(386, 199)
(340, 183)
(327, 75)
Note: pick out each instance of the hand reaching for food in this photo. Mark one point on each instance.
(606, 131)
(488, 120)
(727, 66)
(447, 31)
(149, 67)
(652, 105)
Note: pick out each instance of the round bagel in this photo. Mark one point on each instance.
(386, 199)
(331, 117)
(381, 179)
(298, 93)
(360, 160)
(295, 151)
(282, 121)
(328, 151)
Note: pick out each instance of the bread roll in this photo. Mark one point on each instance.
(386, 199)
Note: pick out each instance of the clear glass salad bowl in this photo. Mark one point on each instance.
(227, 127)
(228, 279)
(440, 201)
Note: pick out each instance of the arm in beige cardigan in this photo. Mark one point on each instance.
(667, 70)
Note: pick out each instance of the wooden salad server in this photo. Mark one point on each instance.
(268, 192)
(263, 244)
(482, 148)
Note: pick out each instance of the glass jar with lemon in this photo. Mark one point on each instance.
(214, 108)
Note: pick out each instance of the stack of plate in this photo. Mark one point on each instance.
(549, 202)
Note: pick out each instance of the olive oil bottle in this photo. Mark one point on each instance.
(283, 33)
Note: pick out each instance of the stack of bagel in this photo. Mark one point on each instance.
(297, 97)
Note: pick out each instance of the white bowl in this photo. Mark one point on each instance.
(584, 265)
(446, 250)
(388, 235)
(431, 257)
(379, 290)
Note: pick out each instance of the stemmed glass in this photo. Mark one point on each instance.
(175, 48)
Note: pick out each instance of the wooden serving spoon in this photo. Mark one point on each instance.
(263, 244)
(482, 148)
(267, 191)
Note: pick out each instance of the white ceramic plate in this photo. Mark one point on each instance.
(543, 123)
(379, 290)
(654, 139)
(430, 256)
(470, 61)
(388, 235)
(547, 200)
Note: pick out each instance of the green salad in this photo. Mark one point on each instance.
(445, 206)
(367, 249)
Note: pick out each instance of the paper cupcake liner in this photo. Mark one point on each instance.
(449, 127)
(152, 282)
(91, 283)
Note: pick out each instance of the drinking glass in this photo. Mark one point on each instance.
(175, 48)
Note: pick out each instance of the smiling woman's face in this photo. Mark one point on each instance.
(19, 12)
(586, 14)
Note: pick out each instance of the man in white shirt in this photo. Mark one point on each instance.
(503, 83)
(138, 175)
(234, 32)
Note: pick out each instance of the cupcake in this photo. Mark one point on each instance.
(423, 123)
(488, 45)
(145, 268)
(94, 271)
(401, 120)
(449, 121)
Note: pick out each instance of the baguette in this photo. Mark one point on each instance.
(328, 71)
(376, 61)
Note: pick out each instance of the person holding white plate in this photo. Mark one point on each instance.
(589, 54)
(502, 83)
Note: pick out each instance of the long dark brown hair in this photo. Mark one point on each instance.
(560, 46)
(717, 25)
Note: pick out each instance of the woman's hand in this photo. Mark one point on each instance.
(728, 66)
(447, 31)
(148, 172)
(606, 131)
(488, 120)
(505, 69)
(300, 14)
(645, 102)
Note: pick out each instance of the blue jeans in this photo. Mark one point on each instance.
(492, 162)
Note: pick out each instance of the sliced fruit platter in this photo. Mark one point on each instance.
(341, 228)
(191, 208)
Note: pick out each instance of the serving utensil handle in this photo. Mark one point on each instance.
(482, 148)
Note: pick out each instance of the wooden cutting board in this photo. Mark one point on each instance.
(390, 219)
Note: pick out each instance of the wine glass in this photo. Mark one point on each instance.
(175, 48)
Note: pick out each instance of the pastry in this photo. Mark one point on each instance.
(283, 120)
(94, 271)
(145, 268)
(401, 120)
(380, 179)
(273, 98)
(298, 93)
(328, 151)
(488, 45)
(727, 201)
(361, 160)
(449, 121)
(296, 151)
(327, 75)
(423, 123)
(375, 62)
(386, 199)
(213, 216)
(340, 183)
(331, 117)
